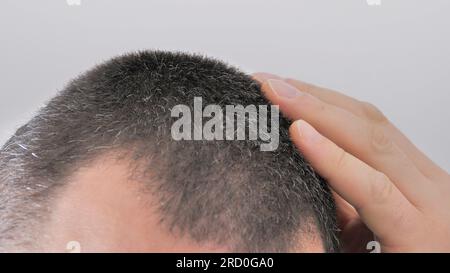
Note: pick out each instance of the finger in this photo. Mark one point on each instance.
(263, 76)
(345, 212)
(367, 142)
(378, 201)
(329, 96)
(324, 94)
(372, 114)
(354, 234)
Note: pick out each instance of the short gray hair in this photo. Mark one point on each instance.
(229, 192)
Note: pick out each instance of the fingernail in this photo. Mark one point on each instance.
(284, 89)
(306, 131)
(263, 76)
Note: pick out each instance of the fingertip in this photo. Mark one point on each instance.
(294, 129)
(261, 77)
(296, 133)
(299, 83)
(304, 131)
(284, 90)
(268, 92)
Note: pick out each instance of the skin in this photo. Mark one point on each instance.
(383, 184)
(105, 209)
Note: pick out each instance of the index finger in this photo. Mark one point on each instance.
(379, 203)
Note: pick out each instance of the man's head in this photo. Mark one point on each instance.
(99, 165)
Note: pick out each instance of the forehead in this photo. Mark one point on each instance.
(104, 209)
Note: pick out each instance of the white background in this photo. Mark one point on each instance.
(396, 55)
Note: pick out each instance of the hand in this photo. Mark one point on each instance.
(380, 179)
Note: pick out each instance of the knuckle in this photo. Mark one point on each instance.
(379, 139)
(372, 113)
(381, 188)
